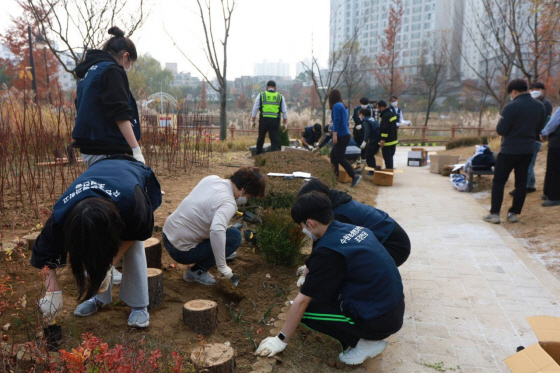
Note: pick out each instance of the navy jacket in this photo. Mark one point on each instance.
(311, 137)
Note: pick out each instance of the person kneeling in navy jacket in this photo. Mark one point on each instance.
(105, 214)
(346, 210)
(353, 290)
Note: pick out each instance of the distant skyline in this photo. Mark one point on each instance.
(287, 31)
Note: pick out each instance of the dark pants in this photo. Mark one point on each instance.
(552, 176)
(371, 150)
(338, 153)
(388, 153)
(326, 318)
(202, 254)
(505, 163)
(270, 125)
(359, 138)
(398, 245)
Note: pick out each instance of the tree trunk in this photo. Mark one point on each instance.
(155, 287)
(223, 114)
(30, 238)
(201, 316)
(324, 113)
(152, 247)
(213, 358)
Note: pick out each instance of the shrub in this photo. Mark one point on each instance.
(279, 238)
(467, 141)
(283, 136)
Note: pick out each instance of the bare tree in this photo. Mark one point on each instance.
(353, 76)
(213, 56)
(433, 68)
(79, 25)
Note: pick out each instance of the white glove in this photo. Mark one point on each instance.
(106, 282)
(358, 127)
(226, 272)
(310, 147)
(137, 154)
(50, 304)
(363, 146)
(300, 281)
(300, 270)
(270, 346)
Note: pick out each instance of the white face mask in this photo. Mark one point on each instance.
(309, 234)
(536, 94)
(241, 200)
(363, 106)
(129, 66)
(394, 103)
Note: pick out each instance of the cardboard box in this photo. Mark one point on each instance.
(543, 356)
(438, 161)
(343, 176)
(417, 158)
(383, 177)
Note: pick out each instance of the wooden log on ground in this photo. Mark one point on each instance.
(201, 316)
(152, 246)
(30, 238)
(213, 358)
(155, 287)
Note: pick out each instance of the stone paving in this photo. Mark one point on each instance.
(469, 285)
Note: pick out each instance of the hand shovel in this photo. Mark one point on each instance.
(235, 279)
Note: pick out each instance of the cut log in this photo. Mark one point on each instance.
(155, 287)
(213, 358)
(201, 316)
(30, 238)
(152, 246)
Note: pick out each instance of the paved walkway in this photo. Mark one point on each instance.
(469, 285)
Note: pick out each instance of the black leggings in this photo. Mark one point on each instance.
(337, 156)
(398, 245)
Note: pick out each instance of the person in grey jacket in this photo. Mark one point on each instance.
(520, 123)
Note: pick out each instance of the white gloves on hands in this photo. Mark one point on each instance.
(300, 281)
(300, 270)
(310, 147)
(270, 346)
(137, 154)
(226, 272)
(358, 127)
(363, 146)
(106, 282)
(50, 304)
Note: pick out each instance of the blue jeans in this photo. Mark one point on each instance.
(202, 253)
(531, 180)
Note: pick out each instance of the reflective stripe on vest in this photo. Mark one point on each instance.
(393, 119)
(270, 104)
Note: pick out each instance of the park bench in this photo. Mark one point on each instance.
(471, 173)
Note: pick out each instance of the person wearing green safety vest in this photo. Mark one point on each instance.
(388, 127)
(271, 104)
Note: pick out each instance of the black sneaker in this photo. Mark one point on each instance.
(549, 203)
(544, 197)
(531, 190)
(356, 180)
(370, 173)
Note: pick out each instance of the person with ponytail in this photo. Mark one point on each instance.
(107, 120)
(105, 215)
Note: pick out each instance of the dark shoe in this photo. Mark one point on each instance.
(356, 180)
(531, 190)
(544, 197)
(512, 193)
(370, 173)
(549, 203)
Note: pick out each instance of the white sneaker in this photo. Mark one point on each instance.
(117, 277)
(363, 350)
(200, 276)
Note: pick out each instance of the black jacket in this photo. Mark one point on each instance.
(548, 111)
(521, 122)
(388, 127)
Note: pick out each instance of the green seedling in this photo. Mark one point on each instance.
(263, 319)
(440, 366)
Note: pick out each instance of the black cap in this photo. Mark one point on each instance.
(271, 83)
(381, 103)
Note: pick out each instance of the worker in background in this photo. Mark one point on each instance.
(372, 137)
(551, 133)
(353, 291)
(311, 136)
(388, 127)
(271, 104)
(358, 132)
(394, 102)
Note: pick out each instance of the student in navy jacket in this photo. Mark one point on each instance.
(105, 214)
(353, 290)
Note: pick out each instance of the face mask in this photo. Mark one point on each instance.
(394, 103)
(536, 94)
(129, 66)
(309, 234)
(510, 98)
(241, 200)
(363, 106)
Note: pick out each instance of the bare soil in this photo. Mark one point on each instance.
(263, 290)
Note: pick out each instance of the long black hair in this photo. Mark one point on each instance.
(92, 229)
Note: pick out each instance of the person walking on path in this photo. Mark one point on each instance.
(358, 132)
(372, 137)
(197, 231)
(353, 291)
(538, 92)
(104, 215)
(519, 123)
(389, 136)
(107, 120)
(551, 133)
(341, 135)
(271, 104)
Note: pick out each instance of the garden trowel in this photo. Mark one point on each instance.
(235, 279)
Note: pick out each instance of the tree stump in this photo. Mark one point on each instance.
(30, 238)
(152, 246)
(201, 316)
(155, 287)
(213, 358)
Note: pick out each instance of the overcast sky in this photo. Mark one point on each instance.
(285, 30)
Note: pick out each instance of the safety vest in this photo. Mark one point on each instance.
(270, 104)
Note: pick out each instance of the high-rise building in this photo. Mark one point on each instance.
(266, 68)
